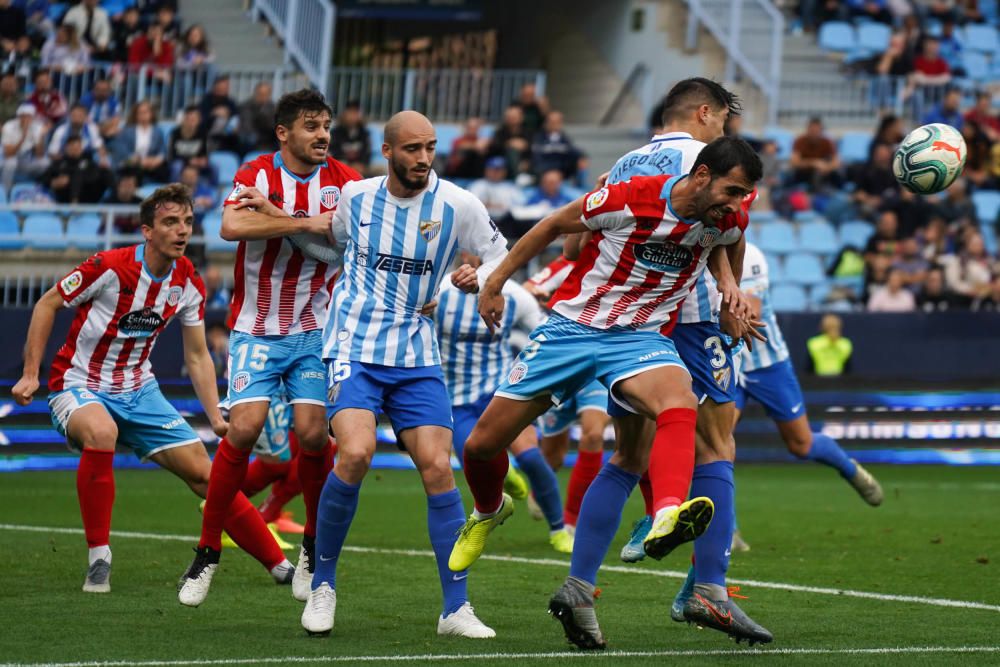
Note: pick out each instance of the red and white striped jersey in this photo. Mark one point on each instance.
(643, 258)
(552, 276)
(121, 309)
(278, 289)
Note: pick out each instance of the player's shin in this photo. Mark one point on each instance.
(228, 473)
(249, 530)
(445, 516)
(646, 488)
(544, 485)
(485, 478)
(671, 461)
(712, 548)
(588, 465)
(95, 488)
(260, 473)
(337, 506)
(600, 515)
(282, 492)
(313, 471)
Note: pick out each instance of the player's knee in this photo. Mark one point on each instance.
(437, 470)
(102, 436)
(798, 445)
(716, 447)
(476, 446)
(356, 462)
(312, 437)
(243, 435)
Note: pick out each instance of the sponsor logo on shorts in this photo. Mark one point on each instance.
(596, 199)
(517, 373)
(172, 424)
(650, 355)
(140, 323)
(312, 375)
(91, 395)
(240, 381)
(174, 295)
(329, 196)
(429, 229)
(72, 282)
(663, 256)
(722, 377)
(709, 237)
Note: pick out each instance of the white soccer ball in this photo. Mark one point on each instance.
(929, 159)
(316, 246)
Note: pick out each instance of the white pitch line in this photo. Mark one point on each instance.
(557, 655)
(620, 569)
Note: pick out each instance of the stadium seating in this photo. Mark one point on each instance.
(446, 135)
(783, 139)
(819, 237)
(225, 164)
(981, 38)
(375, 131)
(775, 269)
(987, 203)
(873, 38)
(249, 157)
(856, 233)
(977, 65)
(211, 226)
(778, 238)
(837, 37)
(804, 269)
(83, 231)
(788, 298)
(44, 231)
(166, 127)
(10, 231)
(854, 146)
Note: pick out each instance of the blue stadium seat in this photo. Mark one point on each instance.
(25, 193)
(987, 203)
(783, 139)
(3, 195)
(376, 134)
(225, 164)
(762, 216)
(854, 146)
(977, 65)
(806, 216)
(775, 270)
(838, 37)
(83, 231)
(10, 232)
(989, 238)
(818, 294)
(249, 157)
(785, 298)
(166, 127)
(856, 233)
(819, 237)
(446, 135)
(804, 269)
(873, 38)
(777, 238)
(44, 231)
(981, 38)
(211, 226)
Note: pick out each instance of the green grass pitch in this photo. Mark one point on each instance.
(935, 537)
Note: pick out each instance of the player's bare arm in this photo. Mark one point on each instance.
(565, 220)
(42, 318)
(245, 224)
(202, 372)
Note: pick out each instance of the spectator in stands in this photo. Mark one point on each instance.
(872, 10)
(893, 297)
(10, 97)
(970, 13)
(166, 18)
(991, 301)
(948, 111)
(885, 241)
(13, 25)
(911, 264)
(78, 124)
(350, 141)
(74, 178)
(935, 239)
(202, 192)
(930, 71)
(874, 182)
(933, 296)
(38, 21)
(941, 10)
(188, 144)
(64, 52)
(814, 14)
(92, 26)
(219, 117)
(969, 273)
(951, 49)
(550, 190)
(830, 352)
(125, 193)
(889, 133)
(552, 149)
(533, 108)
(467, 154)
(257, 120)
(103, 108)
(218, 295)
(734, 128)
(814, 159)
(979, 156)
(153, 50)
(141, 146)
(125, 29)
(983, 116)
(48, 101)
(23, 140)
(196, 51)
(897, 59)
(912, 212)
(957, 206)
(218, 343)
(498, 194)
(511, 141)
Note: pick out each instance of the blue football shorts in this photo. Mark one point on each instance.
(776, 388)
(705, 351)
(260, 367)
(558, 420)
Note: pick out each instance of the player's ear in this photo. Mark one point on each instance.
(386, 151)
(281, 132)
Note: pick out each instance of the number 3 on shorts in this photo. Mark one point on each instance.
(714, 346)
(258, 356)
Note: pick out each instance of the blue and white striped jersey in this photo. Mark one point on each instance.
(395, 253)
(755, 283)
(673, 153)
(474, 360)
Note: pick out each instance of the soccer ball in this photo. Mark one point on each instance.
(929, 159)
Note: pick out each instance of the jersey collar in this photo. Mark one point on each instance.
(140, 256)
(668, 187)
(280, 163)
(670, 136)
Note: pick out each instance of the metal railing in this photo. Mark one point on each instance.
(306, 30)
(858, 102)
(446, 95)
(752, 34)
(638, 83)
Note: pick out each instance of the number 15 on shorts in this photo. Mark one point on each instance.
(338, 370)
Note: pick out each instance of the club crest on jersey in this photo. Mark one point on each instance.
(722, 377)
(240, 381)
(174, 295)
(329, 196)
(236, 191)
(663, 256)
(709, 237)
(72, 282)
(140, 323)
(517, 373)
(596, 199)
(429, 229)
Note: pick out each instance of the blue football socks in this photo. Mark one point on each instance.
(445, 516)
(711, 549)
(544, 485)
(825, 450)
(337, 505)
(600, 516)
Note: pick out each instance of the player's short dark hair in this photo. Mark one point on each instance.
(292, 105)
(726, 153)
(689, 94)
(175, 193)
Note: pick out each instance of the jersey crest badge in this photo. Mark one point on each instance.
(595, 200)
(72, 282)
(708, 237)
(329, 196)
(174, 295)
(722, 377)
(240, 381)
(517, 373)
(429, 229)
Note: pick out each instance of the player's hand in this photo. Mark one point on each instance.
(491, 305)
(24, 391)
(734, 300)
(220, 426)
(254, 199)
(321, 224)
(429, 308)
(602, 180)
(741, 328)
(465, 279)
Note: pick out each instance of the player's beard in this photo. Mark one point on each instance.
(304, 154)
(403, 176)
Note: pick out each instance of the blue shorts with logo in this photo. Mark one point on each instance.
(146, 421)
(411, 397)
(558, 420)
(705, 351)
(260, 366)
(564, 356)
(774, 387)
(273, 440)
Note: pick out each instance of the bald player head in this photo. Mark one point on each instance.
(408, 147)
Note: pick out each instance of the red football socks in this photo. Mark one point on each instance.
(646, 488)
(485, 480)
(249, 530)
(261, 473)
(314, 467)
(588, 464)
(282, 492)
(671, 463)
(95, 489)
(229, 469)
